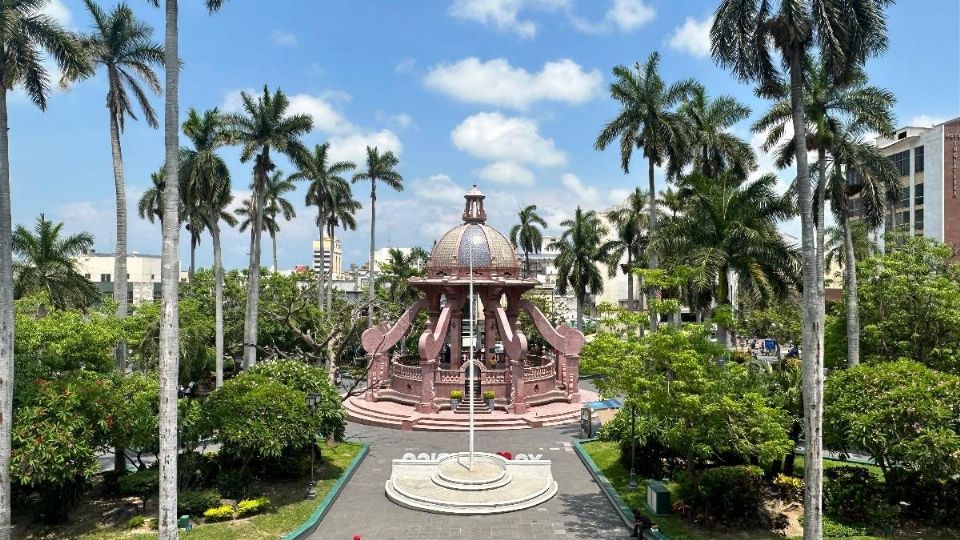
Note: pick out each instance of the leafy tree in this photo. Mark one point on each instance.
(730, 226)
(196, 333)
(781, 321)
(647, 120)
(629, 224)
(579, 251)
(309, 380)
(902, 413)
(135, 415)
(28, 35)
(908, 306)
(46, 263)
(753, 38)
(207, 180)
(382, 168)
(526, 235)
(326, 189)
(398, 269)
(264, 126)
(701, 409)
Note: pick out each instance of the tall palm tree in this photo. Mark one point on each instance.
(527, 236)
(713, 148)
(630, 226)
(834, 106)
(578, 253)
(859, 169)
(206, 180)
(170, 275)
(648, 120)
(382, 168)
(753, 38)
(836, 244)
(26, 37)
(325, 183)
(730, 229)
(150, 206)
(124, 47)
(398, 269)
(672, 200)
(342, 214)
(277, 206)
(46, 262)
(264, 126)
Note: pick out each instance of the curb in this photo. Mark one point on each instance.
(626, 514)
(307, 527)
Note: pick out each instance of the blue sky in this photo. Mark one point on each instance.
(509, 94)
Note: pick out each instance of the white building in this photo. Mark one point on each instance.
(143, 274)
(330, 261)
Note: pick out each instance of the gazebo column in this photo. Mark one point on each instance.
(379, 371)
(428, 369)
(489, 326)
(572, 376)
(518, 399)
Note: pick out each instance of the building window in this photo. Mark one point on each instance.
(902, 135)
(901, 161)
(918, 218)
(153, 277)
(86, 276)
(918, 159)
(918, 194)
(104, 278)
(905, 217)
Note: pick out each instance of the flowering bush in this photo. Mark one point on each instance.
(220, 513)
(252, 506)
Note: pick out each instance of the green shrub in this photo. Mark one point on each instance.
(456, 394)
(489, 394)
(197, 470)
(153, 523)
(219, 513)
(832, 529)
(193, 502)
(248, 507)
(309, 379)
(143, 484)
(235, 484)
(788, 488)
(135, 522)
(927, 501)
(293, 463)
(725, 496)
(853, 495)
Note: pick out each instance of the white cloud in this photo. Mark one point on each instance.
(630, 14)
(402, 119)
(586, 196)
(507, 172)
(353, 147)
(496, 82)
(325, 117)
(504, 14)
(59, 12)
(495, 137)
(925, 120)
(406, 65)
(284, 39)
(693, 37)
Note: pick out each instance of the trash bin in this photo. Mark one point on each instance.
(586, 422)
(658, 498)
(184, 523)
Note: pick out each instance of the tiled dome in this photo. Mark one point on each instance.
(491, 250)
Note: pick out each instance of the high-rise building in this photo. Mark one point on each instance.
(928, 160)
(330, 261)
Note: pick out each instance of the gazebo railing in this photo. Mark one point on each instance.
(406, 372)
(538, 373)
(448, 375)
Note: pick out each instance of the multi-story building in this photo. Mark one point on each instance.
(330, 261)
(143, 274)
(928, 160)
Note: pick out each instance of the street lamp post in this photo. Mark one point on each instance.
(313, 400)
(633, 447)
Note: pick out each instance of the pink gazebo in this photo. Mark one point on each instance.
(518, 379)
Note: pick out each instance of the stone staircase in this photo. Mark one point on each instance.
(479, 406)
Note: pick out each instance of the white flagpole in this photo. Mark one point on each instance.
(471, 366)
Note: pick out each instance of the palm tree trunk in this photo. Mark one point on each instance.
(193, 257)
(333, 241)
(119, 261)
(373, 230)
(321, 273)
(170, 277)
(723, 300)
(653, 259)
(812, 363)
(218, 299)
(526, 256)
(853, 309)
(581, 299)
(253, 272)
(273, 240)
(630, 306)
(6, 315)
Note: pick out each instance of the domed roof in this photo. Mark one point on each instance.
(489, 249)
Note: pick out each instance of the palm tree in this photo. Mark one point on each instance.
(745, 37)
(263, 126)
(325, 183)
(170, 276)
(342, 214)
(579, 252)
(630, 226)
(124, 47)
(647, 120)
(730, 228)
(46, 263)
(150, 206)
(398, 269)
(26, 36)
(383, 168)
(672, 200)
(527, 235)
(276, 206)
(712, 147)
(206, 180)
(833, 106)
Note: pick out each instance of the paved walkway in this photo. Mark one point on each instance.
(579, 510)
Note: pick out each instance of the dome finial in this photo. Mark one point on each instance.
(473, 211)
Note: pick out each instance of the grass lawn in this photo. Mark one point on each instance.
(288, 510)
